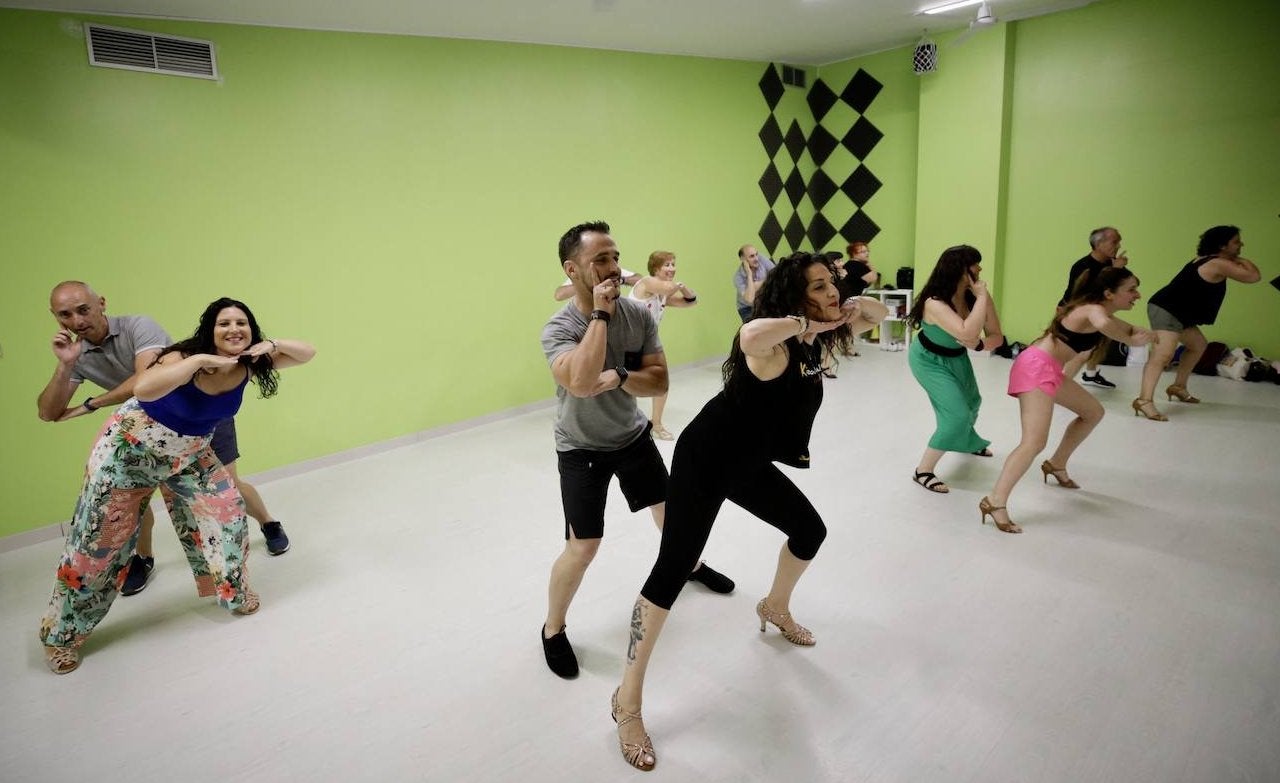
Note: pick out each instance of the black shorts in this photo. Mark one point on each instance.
(224, 443)
(584, 482)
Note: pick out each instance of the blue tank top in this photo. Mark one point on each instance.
(189, 411)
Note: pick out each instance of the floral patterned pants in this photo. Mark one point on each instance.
(135, 454)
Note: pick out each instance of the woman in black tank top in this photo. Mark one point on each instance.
(1178, 310)
(1042, 376)
(773, 380)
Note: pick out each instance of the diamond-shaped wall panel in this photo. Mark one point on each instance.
(795, 141)
(821, 189)
(859, 228)
(820, 99)
(771, 184)
(860, 186)
(795, 187)
(822, 144)
(771, 233)
(862, 138)
(771, 136)
(794, 232)
(820, 232)
(771, 87)
(861, 90)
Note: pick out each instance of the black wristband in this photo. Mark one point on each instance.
(691, 298)
(599, 315)
(979, 346)
(623, 374)
(88, 404)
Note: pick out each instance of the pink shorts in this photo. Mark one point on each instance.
(1035, 369)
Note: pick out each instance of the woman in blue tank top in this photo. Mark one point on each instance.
(1043, 376)
(161, 438)
(1178, 310)
(954, 314)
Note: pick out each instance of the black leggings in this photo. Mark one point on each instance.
(693, 503)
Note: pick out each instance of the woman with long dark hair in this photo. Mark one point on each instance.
(764, 414)
(161, 438)
(1178, 310)
(954, 314)
(1043, 375)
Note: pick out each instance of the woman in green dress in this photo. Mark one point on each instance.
(954, 314)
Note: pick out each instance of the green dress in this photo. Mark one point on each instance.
(952, 389)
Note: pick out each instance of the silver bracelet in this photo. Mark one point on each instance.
(274, 346)
(802, 321)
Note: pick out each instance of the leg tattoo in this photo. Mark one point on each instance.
(637, 630)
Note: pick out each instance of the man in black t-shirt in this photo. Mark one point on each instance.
(1105, 251)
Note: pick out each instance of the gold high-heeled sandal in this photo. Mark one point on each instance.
(638, 754)
(62, 660)
(1048, 470)
(1181, 393)
(985, 507)
(1140, 408)
(796, 634)
(250, 605)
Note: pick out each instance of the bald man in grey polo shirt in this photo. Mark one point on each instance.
(111, 351)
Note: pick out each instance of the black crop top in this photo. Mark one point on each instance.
(1077, 341)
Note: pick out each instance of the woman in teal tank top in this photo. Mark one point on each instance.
(954, 314)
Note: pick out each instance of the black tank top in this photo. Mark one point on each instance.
(1189, 297)
(767, 420)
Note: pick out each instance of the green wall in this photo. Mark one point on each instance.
(394, 200)
(397, 200)
(1124, 112)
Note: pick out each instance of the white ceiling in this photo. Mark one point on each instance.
(800, 32)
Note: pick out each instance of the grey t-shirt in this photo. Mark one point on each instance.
(612, 420)
(109, 364)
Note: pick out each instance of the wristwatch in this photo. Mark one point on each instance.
(88, 404)
(623, 374)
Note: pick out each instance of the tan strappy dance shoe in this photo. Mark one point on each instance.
(251, 604)
(1181, 393)
(639, 755)
(62, 660)
(1140, 408)
(987, 509)
(1048, 470)
(791, 630)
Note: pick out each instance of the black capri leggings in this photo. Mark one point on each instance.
(692, 506)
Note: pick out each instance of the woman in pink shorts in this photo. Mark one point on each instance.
(1042, 376)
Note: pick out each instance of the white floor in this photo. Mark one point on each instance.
(1131, 634)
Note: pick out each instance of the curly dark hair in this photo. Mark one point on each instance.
(783, 293)
(571, 242)
(1215, 239)
(262, 369)
(951, 268)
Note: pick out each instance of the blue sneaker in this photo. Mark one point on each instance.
(277, 541)
(139, 576)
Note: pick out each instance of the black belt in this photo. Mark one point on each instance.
(941, 350)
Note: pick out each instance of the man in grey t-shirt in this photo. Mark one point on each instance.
(753, 268)
(604, 352)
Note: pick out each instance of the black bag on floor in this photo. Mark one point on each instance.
(1208, 364)
(1117, 354)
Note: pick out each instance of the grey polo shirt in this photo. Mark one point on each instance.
(612, 420)
(109, 364)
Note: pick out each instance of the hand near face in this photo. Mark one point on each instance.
(1121, 259)
(210, 361)
(979, 288)
(65, 346)
(259, 349)
(605, 294)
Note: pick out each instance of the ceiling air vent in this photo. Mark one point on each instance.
(793, 76)
(134, 50)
